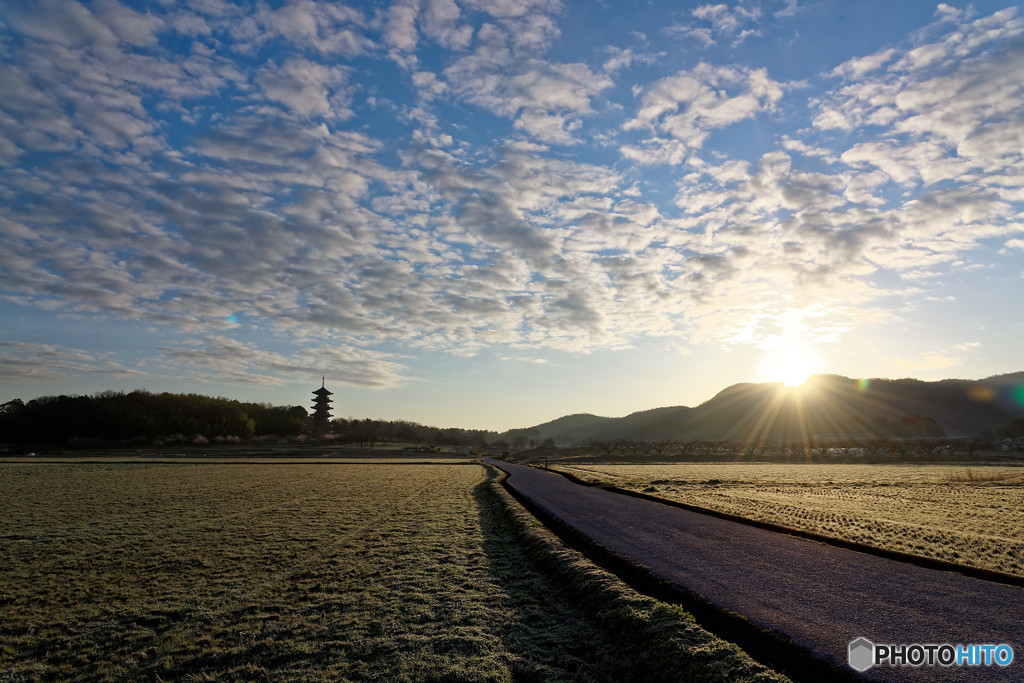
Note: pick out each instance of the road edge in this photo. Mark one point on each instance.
(774, 651)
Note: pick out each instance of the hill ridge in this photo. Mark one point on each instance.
(827, 406)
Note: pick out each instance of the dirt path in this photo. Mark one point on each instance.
(819, 596)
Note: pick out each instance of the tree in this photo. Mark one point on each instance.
(972, 446)
(277, 420)
(1013, 428)
(931, 446)
(607, 447)
(900, 447)
(660, 447)
(723, 446)
(847, 446)
(686, 447)
(12, 407)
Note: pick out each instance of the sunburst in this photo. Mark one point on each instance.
(789, 361)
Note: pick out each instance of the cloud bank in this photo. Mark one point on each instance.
(358, 185)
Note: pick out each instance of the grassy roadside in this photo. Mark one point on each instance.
(968, 517)
(345, 572)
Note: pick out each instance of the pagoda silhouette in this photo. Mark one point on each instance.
(321, 408)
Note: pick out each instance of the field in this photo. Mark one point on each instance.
(407, 572)
(968, 516)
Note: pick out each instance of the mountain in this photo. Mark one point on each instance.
(826, 406)
(570, 428)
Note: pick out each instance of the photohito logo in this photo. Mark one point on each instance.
(863, 654)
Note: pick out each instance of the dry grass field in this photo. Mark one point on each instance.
(968, 516)
(334, 572)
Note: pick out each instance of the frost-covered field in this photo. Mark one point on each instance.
(277, 572)
(968, 516)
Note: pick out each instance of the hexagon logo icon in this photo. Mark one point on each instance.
(862, 654)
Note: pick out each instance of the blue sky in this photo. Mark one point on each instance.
(491, 213)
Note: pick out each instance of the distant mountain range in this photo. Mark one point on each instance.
(827, 406)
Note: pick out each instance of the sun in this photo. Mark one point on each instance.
(791, 363)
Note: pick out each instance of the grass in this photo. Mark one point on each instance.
(976, 476)
(390, 572)
(971, 518)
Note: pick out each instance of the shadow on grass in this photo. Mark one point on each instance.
(547, 636)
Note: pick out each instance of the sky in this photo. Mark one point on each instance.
(492, 213)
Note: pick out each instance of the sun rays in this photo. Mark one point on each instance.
(792, 365)
(789, 357)
(779, 413)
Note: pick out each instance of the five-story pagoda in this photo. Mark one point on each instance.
(321, 408)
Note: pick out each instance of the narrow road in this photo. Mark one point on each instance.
(819, 596)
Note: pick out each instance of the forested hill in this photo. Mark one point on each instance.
(826, 406)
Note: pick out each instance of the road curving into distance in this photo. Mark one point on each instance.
(810, 595)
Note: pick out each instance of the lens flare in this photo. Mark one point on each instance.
(981, 393)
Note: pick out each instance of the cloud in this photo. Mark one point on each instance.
(545, 99)
(929, 361)
(701, 36)
(943, 123)
(726, 19)
(281, 179)
(722, 20)
(400, 30)
(514, 9)
(790, 9)
(964, 82)
(64, 23)
(329, 28)
(686, 107)
(307, 88)
(858, 67)
(525, 359)
(22, 362)
(222, 359)
(439, 21)
(624, 58)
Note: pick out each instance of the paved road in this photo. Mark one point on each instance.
(819, 596)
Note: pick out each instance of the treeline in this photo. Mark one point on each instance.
(140, 416)
(119, 416)
(370, 433)
(810, 449)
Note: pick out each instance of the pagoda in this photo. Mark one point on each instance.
(321, 407)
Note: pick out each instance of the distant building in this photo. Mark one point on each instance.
(321, 407)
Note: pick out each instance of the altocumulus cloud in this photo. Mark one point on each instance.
(353, 184)
(20, 362)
